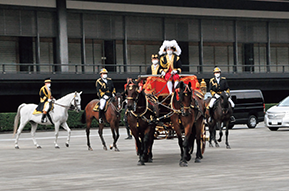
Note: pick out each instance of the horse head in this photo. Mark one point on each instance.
(224, 100)
(184, 93)
(76, 102)
(117, 101)
(132, 94)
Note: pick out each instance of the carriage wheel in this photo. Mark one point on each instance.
(203, 139)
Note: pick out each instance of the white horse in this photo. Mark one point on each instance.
(59, 116)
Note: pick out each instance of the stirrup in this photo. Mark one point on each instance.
(232, 118)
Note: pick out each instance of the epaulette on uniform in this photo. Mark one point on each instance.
(223, 78)
(212, 79)
(108, 78)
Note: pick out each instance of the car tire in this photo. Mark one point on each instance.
(252, 121)
(273, 128)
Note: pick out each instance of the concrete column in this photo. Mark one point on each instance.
(62, 39)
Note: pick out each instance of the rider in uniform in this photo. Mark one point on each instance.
(217, 85)
(170, 63)
(45, 99)
(154, 69)
(105, 90)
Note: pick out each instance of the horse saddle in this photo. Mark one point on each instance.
(96, 106)
(40, 107)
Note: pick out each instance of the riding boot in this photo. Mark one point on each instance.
(100, 120)
(43, 117)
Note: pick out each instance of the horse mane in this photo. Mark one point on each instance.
(65, 97)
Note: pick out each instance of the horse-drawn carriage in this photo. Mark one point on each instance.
(181, 113)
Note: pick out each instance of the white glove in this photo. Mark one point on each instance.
(49, 100)
(163, 73)
(113, 95)
(174, 72)
(217, 96)
(105, 97)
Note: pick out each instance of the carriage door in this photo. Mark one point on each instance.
(109, 55)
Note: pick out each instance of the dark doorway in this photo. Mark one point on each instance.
(110, 55)
(26, 54)
(249, 57)
(184, 56)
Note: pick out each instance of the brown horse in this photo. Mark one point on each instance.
(141, 112)
(186, 113)
(222, 114)
(112, 116)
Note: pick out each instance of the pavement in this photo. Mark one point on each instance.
(258, 160)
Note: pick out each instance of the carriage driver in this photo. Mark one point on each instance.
(105, 90)
(45, 99)
(217, 85)
(154, 69)
(170, 63)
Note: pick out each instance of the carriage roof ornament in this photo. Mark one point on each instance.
(171, 44)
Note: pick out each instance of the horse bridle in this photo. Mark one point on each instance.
(71, 107)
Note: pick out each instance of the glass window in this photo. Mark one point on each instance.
(279, 32)
(251, 31)
(8, 54)
(74, 25)
(177, 29)
(218, 30)
(194, 58)
(46, 24)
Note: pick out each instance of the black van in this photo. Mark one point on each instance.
(249, 107)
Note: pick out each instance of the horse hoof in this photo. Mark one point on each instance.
(219, 140)
(110, 147)
(66, 144)
(90, 149)
(39, 147)
(228, 147)
(105, 148)
(57, 147)
(217, 145)
(197, 160)
(150, 160)
(211, 145)
(140, 163)
(116, 149)
(17, 147)
(183, 164)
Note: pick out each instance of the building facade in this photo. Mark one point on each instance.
(70, 41)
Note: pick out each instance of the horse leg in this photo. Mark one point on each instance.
(221, 132)
(88, 123)
(100, 131)
(56, 126)
(198, 126)
(65, 126)
(151, 142)
(227, 135)
(212, 133)
(33, 130)
(115, 136)
(20, 128)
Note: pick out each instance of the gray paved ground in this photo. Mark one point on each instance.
(258, 160)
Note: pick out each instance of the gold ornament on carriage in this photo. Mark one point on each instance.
(203, 87)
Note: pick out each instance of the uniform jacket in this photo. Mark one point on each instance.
(103, 88)
(166, 64)
(44, 94)
(152, 71)
(214, 87)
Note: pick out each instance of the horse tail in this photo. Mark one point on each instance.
(83, 117)
(16, 119)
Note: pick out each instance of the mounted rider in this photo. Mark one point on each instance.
(154, 69)
(217, 85)
(170, 63)
(46, 98)
(105, 90)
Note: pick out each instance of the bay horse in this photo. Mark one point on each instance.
(112, 116)
(222, 114)
(185, 114)
(58, 115)
(141, 112)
